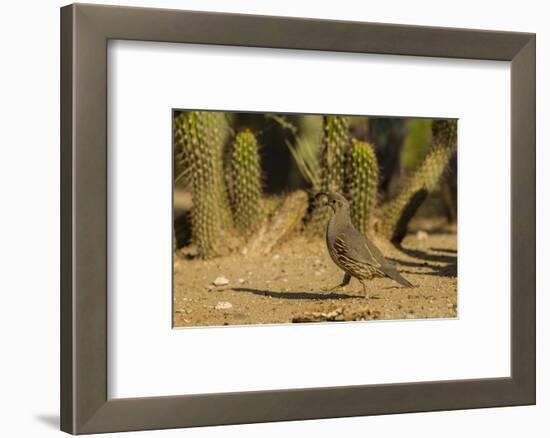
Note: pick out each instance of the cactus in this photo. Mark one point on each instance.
(333, 163)
(181, 165)
(398, 212)
(416, 144)
(244, 180)
(363, 184)
(200, 136)
(333, 156)
(444, 133)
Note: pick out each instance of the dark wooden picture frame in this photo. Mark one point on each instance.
(85, 31)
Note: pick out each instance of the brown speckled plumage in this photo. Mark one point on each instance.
(363, 271)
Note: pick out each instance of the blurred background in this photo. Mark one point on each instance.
(290, 148)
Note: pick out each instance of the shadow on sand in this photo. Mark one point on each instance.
(297, 295)
(447, 268)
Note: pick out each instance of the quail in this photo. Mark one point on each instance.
(351, 251)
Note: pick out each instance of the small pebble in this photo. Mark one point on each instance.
(241, 280)
(222, 305)
(221, 281)
(276, 257)
(421, 235)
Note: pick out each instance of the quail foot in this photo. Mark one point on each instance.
(351, 251)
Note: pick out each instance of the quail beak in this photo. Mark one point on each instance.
(321, 198)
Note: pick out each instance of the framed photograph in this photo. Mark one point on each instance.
(269, 219)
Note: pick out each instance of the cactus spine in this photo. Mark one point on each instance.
(244, 180)
(201, 137)
(363, 184)
(335, 145)
(399, 211)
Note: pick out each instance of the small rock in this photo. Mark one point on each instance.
(221, 281)
(318, 273)
(421, 235)
(276, 257)
(241, 280)
(222, 305)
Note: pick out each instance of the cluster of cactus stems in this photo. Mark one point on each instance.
(398, 212)
(363, 184)
(346, 166)
(244, 181)
(335, 145)
(200, 136)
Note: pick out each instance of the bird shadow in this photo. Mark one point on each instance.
(296, 295)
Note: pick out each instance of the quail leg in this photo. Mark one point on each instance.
(345, 282)
(365, 290)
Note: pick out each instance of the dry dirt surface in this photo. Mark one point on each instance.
(291, 285)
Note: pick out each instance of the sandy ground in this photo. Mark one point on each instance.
(291, 283)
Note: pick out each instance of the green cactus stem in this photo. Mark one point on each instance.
(244, 181)
(444, 133)
(363, 184)
(333, 156)
(398, 212)
(200, 136)
(335, 145)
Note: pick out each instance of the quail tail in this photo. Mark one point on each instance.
(396, 276)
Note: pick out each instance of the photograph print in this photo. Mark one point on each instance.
(301, 218)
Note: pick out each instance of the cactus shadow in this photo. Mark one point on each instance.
(445, 250)
(447, 263)
(300, 295)
(423, 255)
(437, 271)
